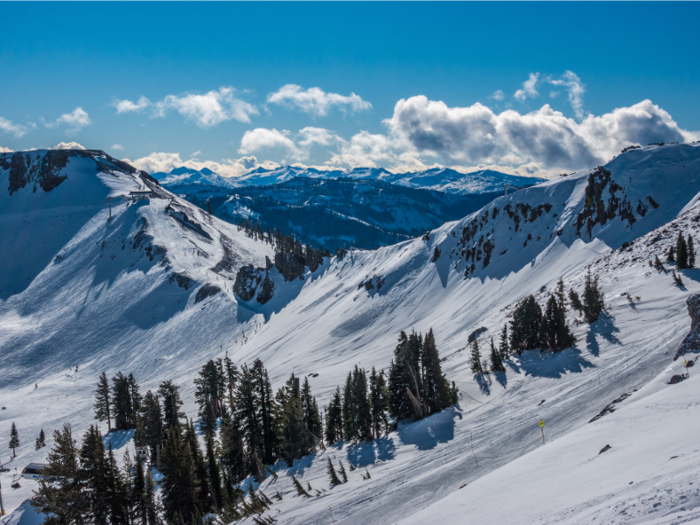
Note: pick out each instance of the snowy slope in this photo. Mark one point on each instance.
(326, 324)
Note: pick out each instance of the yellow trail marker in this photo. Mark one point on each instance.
(542, 429)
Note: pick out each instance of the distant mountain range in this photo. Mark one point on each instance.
(439, 179)
(364, 207)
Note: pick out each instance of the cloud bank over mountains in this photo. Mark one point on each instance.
(420, 134)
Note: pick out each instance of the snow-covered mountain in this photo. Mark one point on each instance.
(445, 180)
(338, 213)
(82, 294)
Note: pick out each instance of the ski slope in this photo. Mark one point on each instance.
(329, 322)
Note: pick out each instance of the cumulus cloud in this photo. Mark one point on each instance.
(529, 88)
(316, 101)
(68, 145)
(5, 150)
(209, 109)
(298, 145)
(9, 127)
(127, 106)
(498, 95)
(75, 121)
(118, 147)
(576, 90)
(475, 134)
(165, 162)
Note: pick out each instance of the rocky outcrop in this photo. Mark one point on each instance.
(691, 343)
(252, 281)
(208, 290)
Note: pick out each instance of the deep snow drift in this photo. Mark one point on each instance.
(93, 312)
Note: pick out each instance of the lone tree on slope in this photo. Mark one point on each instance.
(14, 440)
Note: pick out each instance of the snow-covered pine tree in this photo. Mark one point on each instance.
(14, 440)
(681, 252)
(343, 474)
(58, 495)
(475, 358)
(335, 480)
(496, 362)
(593, 301)
(503, 346)
(103, 401)
(691, 252)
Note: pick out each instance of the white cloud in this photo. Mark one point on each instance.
(316, 101)
(576, 90)
(118, 147)
(5, 150)
(166, 162)
(195, 154)
(9, 127)
(68, 145)
(126, 106)
(529, 88)
(209, 109)
(475, 134)
(263, 138)
(498, 95)
(75, 121)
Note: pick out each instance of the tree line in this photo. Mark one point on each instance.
(535, 328)
(244, 428)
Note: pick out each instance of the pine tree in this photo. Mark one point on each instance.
(691, 252)
(14, 440)
(343, 474)
(312, 417)
(214, 476)
(475, 358)
(117, 491)
(151, 429)
(152, 511)
(349, 431)
(671, 255)
(561, 295)
(402, 378)
(247, 418)
(363, 414)
(233, 455)
(300, 489)
(210, 388)
(94, 478)
(136, 399)
(293, 428)
(138, 495)
(379, 403)
(231, 375)
(121, 402)
(593, 303)
(170, 395)
(266, 403)
(332, 475)
(208, 420)
(334, 419)
(103, 401)
(503, 347)
(681, 252)
(526, 326)
(575, 300)
(180, 486)
(496, 362)
(437, 394)
(555, 328)
(200, 470)
(60, 494)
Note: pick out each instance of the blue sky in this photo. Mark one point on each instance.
(533, 88)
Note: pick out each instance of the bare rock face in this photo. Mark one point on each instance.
(691, 343)
(208, 290)
(252, 281)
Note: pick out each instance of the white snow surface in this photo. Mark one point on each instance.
(482, 460)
